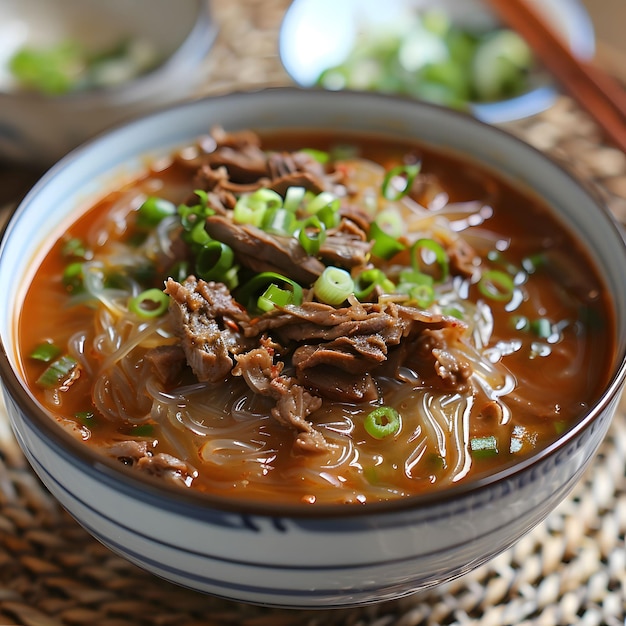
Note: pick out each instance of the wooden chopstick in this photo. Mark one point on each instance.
(596, 91)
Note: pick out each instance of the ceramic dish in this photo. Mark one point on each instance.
(317, 34)
(37, 129)
(294, 556)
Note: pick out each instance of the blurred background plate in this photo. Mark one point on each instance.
(318, 34)
(36, 127)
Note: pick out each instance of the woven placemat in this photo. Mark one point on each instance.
(571, 569)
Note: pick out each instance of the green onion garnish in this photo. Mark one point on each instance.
(198, 233)
(45, 352)
(496, 285)
(391, 222)
(404, 173)
(293, 198)
(274, 296)
(75, 248)
(483, 447)
(333, 286)
(251, 207)
(279, 222)
(370, 279)
(58, 372)
(429, 257)
(418, 286)
(382, 422)
(322, 201)
(143, 430)
(153, 210)
(72, 276)
(85, 417)
(215, 261)
(542, 327)
(150, 303)
(312, 235)
(192, 215)
(319, 155)
(249, 293)
(385, 246)
(422, 295)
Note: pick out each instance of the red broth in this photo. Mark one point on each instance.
(510, 351)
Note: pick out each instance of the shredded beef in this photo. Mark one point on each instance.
(263, 252)
(167, 363)
(293, 402)
(463, 258)
(337, 350)
(205, 318)
(138, 455)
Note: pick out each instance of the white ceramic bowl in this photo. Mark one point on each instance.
(36, 129)
(293, 556)
(317, 34)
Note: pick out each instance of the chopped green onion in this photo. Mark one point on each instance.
(72, 277)
(312, 235)
(382, 422)
(319, 155)
(251, 207)
(293, 198)
(560, 427)
(329, 215)
(483, 447)
(453, 311)
(279, 222)
(496, 285)
(59, 372)
(429, 257)
(190, 216)
(415, 277)
(85, 417)
(153, 210)
(333, 286)
(390, 221)
(368, 280)
(198, 233)
(272, 297)
(249, 293)
(75, 248)
(406, 173)
(385, 246)
(45, 352)
(143, 430)
(149, 303)
(321, 201)
(214, 261)
(542, 327)
(423, 295)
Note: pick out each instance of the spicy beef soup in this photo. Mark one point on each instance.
(306, 318)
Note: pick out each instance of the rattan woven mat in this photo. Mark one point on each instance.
(571, 569)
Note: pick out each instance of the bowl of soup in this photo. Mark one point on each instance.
(69, 68)
(310, 349)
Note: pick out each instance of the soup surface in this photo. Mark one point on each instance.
(306, 318)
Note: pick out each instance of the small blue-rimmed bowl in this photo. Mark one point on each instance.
(318, 34)
(291, 556)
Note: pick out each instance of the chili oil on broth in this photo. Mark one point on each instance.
(226, 433)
